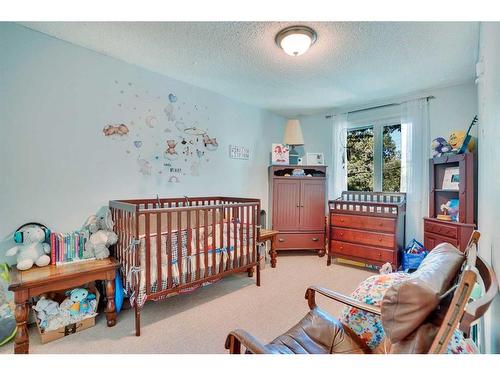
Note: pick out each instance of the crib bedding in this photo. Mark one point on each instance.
(217, 243)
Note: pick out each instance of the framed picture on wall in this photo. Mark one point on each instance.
(315, 158)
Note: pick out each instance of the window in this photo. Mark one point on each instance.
(374, 157)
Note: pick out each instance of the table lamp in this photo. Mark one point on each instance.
(293, 137)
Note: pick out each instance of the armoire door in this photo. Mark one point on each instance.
(312, 204)
(286, 202)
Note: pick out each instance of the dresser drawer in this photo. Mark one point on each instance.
(300, 241)
(364, 237)
(363, 222)
(361, 251)
(431, 240)
(441, 229)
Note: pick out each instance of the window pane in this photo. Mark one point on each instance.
(392, 158)
(360, 159)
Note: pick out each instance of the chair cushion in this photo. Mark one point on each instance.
(407, 304)
(317, 333)
(366, 325)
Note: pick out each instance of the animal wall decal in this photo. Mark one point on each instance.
(162, 125)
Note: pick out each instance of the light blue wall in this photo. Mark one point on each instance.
(57, 168)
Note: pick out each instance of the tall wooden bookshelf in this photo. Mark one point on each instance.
(455, 232)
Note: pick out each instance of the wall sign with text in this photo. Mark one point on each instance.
(239, 152)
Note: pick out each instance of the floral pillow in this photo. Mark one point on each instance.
(369, 326)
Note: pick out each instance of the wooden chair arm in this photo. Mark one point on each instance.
(311, 300)
(239, 336)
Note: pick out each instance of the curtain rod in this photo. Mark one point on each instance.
(384, 105)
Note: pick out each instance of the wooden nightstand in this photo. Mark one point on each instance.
(270, 235)
(36, 281)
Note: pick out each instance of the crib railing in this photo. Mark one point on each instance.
(236, 221)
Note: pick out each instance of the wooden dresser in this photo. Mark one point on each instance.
(458, 232)
(298, 207)
(367, 227)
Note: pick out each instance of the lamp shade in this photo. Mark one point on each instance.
(293, 133)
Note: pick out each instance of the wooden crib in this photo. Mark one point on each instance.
(200, 239)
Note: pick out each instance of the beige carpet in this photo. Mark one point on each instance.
(199, 322)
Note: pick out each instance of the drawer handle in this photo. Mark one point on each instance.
(341, 220)
(315, 239)
(281, 240)
(341, 234)
(298, 205)
(380, 255)
(380, 239)
(341, 247)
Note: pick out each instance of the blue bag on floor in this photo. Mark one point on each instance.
(413, 255)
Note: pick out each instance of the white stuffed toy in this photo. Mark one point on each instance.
(33, 247)
(102, 236)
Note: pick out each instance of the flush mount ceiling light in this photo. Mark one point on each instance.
(296, 40)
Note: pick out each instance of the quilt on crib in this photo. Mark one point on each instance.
(223, 246)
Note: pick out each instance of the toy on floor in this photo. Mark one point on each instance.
(102, 235)
(33, 246)
(385, 269)
(46, 309)
(82, 301)
(8, 327)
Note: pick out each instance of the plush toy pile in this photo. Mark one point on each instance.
(102, 236)
(79, 305)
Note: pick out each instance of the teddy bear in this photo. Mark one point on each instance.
(33, 247)
(102, 236)
(81, 301)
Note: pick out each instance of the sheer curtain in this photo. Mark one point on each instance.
(339, 156)
(415, 154)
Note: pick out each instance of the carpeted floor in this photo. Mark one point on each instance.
(199, 322)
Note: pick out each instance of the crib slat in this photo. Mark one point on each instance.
(159, 253)
(235, 234)
(205, 240)
(214, 247)
(169, 249)
(198, 264)
(179, 245)
(189, 247)
(228, 237)
(221, 238)
(148, 253)
(247, 221)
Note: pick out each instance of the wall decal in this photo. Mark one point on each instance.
(172, 145)
(118, 130)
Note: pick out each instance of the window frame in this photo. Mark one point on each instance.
(378, 144)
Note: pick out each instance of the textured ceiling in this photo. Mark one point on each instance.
(351, 63)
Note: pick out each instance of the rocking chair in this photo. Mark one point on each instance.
(418, 315)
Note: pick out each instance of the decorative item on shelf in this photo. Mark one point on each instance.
(300, 161)
(468, 141)
(315, 159)
(445, 212)
(440, 147)
(33, 248)
(453, 209)
(279, 154)
(293, 137)
(451, 179)
(298, 172)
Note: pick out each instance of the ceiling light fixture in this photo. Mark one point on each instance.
(296, 40)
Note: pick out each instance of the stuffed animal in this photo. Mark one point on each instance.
(33, 248)
(439, 146)
(81, 299)
(457, 138)
(102, 236)
(46, 310)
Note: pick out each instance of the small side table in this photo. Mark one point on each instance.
(270, 235)
(36, 281)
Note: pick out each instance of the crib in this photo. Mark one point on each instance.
(169, 246)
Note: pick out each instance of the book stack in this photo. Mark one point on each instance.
(67, 247)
